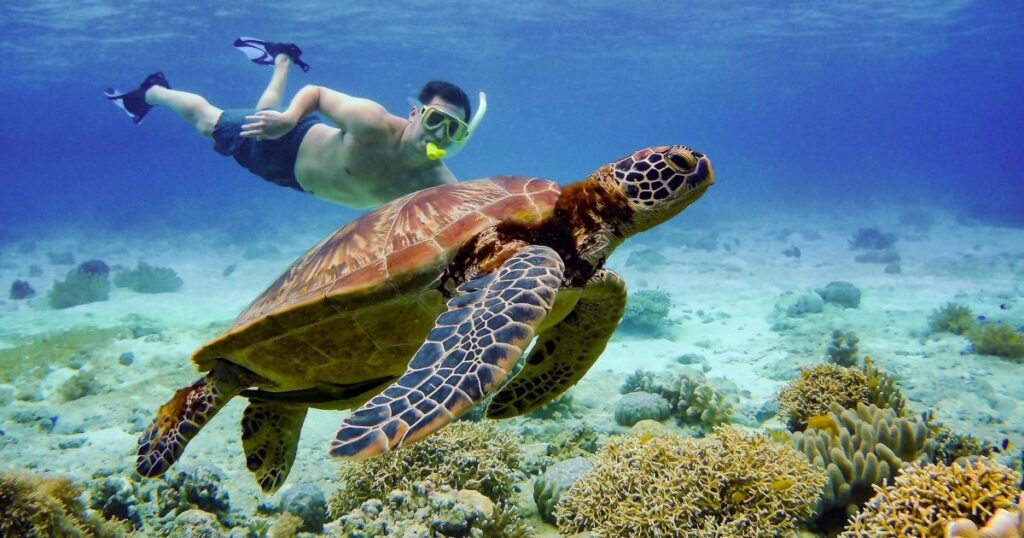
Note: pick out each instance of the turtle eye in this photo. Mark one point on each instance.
(680, 162)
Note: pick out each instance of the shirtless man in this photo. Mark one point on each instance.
(368, 158)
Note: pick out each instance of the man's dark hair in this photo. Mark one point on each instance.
(447, 91)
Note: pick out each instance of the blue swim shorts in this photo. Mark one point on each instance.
(272, 160)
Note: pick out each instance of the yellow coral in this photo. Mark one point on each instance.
(1005, 524)
(818, 388)
(48, 506)
(925, 498)
(734, 483)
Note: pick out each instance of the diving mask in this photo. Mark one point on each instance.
(455, 130)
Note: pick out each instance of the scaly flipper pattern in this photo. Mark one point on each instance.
(470, 351)
(565, 352)
(181, 418)
(270, 438)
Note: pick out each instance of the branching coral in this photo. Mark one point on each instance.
(882, 389)
(87, 283)
(147, 278)
(952, 318)
(734, 483)
(998, 339)
(50, 507)
(1006, 523)
(862, 448)
(647, 312)
(692, 399)
(471, 455)
(925, 498)
(820, 387)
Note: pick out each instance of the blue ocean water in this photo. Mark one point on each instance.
(871, 112)
(798, 103)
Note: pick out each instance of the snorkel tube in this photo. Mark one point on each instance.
(435, 153)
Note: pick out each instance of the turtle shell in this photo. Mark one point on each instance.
(357, 305)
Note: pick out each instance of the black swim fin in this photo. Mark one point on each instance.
(263, 52)
(134, 102)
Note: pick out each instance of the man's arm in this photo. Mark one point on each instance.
(355, 115)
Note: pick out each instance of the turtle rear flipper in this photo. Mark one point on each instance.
(181, 418)
(565, 352)
(470, 351)
(270, 438)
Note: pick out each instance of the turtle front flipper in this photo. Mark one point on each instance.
(470, 351)
(270, 438)
(181, 418)
(565, 352)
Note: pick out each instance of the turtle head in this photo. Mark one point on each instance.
(660, 182)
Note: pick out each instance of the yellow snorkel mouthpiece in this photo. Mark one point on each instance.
(435, 153)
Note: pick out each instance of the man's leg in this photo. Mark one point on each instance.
(272, 96)
(191, 107)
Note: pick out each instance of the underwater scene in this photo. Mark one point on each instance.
(512, 269)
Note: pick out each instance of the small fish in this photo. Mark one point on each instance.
(738, 497)
(823, 422)
(782, 484)
(1002, 306)
(1006, 444)
(981, 317)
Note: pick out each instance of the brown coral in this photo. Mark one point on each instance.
(925, 498)
(872, 444)
(819, 387)
(48, 506)
(735, 483)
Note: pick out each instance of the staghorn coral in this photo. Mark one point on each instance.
(865, 447)
(48, 506)
(842, 351)
(925, 498)
(734, 483)
(465, 455)
(1006, 523)
(882, 389)
(819, 387)
(998, 339)
(952, 318)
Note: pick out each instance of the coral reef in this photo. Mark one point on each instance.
(464, 455)
(185, 488)
(819, 388)
(423, 511)
(863, 448)
(843, 348)
(952, 447)
(952, 318)
(80, 385)
(549, 488)
(50, 507)
(1006, 523)
(882, 389)
(646, 312)
(87, 283)
(147, 278)
(925, 498)
(734, 483)
(998, 339)
(693, 400)
(21, 290)
(872, 239)
(636, 406)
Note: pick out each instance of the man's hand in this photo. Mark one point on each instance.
(267, 125)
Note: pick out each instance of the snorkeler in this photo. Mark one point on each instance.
(368, 157)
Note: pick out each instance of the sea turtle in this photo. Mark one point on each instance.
(420, 309)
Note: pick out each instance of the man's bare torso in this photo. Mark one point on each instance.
(334, 165)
